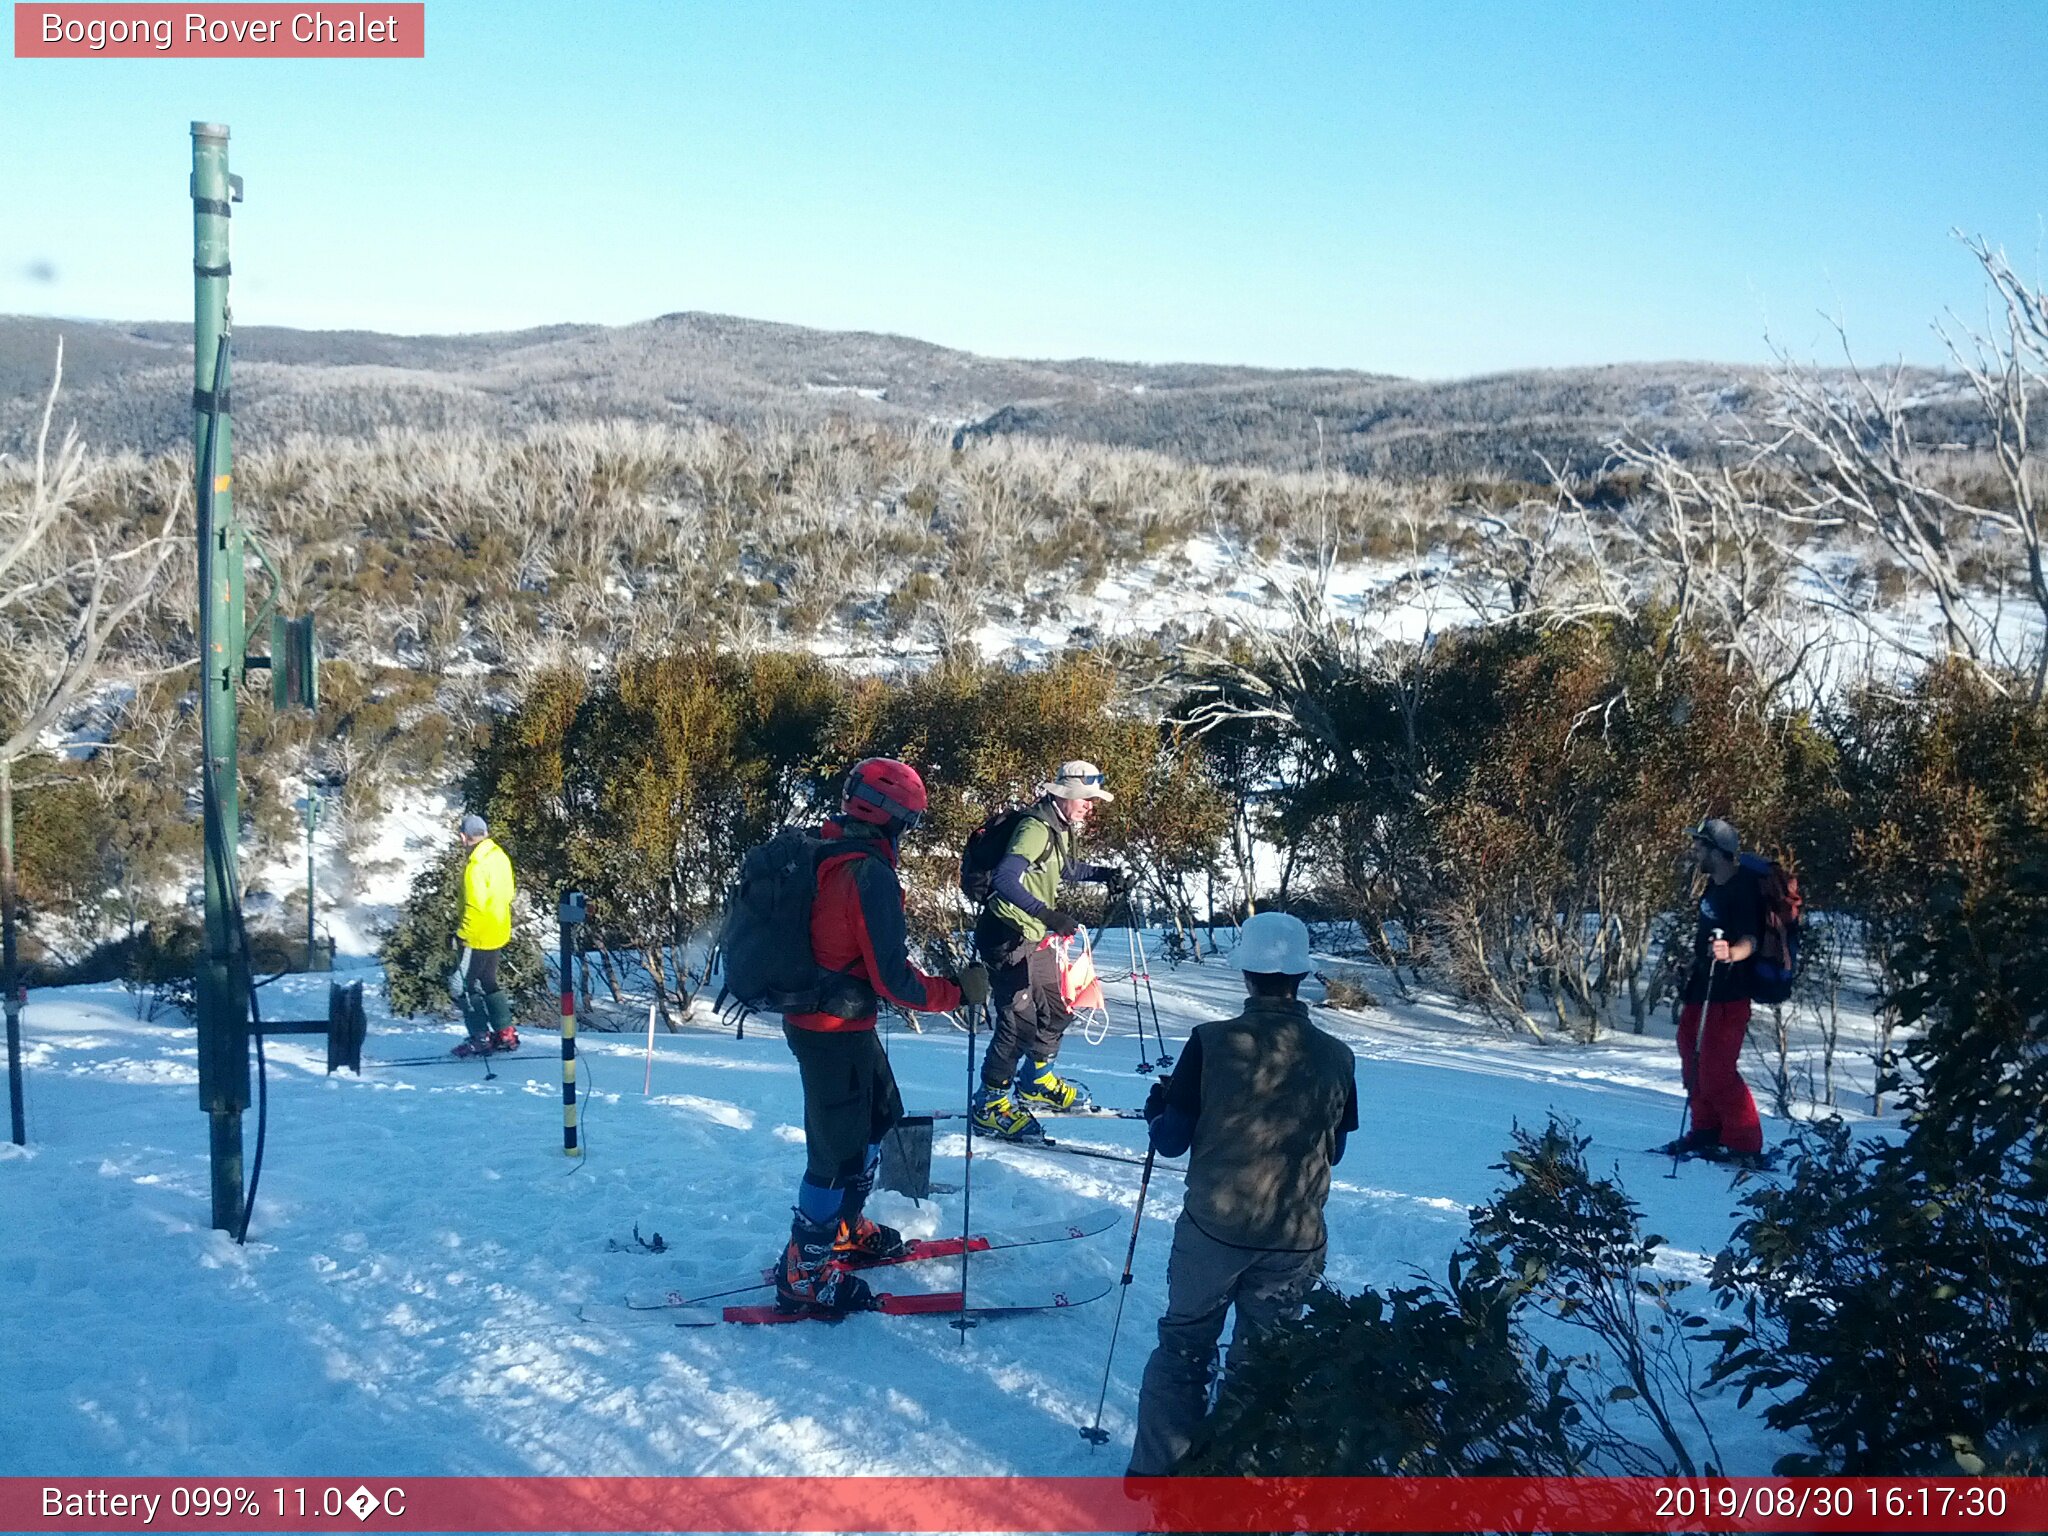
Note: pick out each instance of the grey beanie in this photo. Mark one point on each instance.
(474, 825)
(1719, 834)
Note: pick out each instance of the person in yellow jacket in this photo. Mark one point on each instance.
(487, 891)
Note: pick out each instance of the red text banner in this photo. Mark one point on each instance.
(1075, 1504)
(239, 31)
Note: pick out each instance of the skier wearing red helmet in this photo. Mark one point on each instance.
(850, 1097)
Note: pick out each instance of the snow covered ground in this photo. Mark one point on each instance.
(1208, 578)
(407, 1301)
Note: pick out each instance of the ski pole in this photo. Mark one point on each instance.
(1143, 962)
(1685, 1115)
(1137, 1000)
(1684, 1120)
(1094, 1433)
(963, 1322)
(1144, 1062)
(647, 1085)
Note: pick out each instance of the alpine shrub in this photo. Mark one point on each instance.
(1428, 1380)
(1442, 1380)
(1578, 1243)
(1895, 1287)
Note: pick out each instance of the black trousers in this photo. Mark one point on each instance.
(850, 1100)
(480, 986)
(483, 969)
(1031, 1016)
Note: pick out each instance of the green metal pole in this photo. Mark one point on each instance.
(222, 983)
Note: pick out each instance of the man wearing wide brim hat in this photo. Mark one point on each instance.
(1263, 1104)
(1013, 937)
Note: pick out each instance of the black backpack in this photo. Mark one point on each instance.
(987, 846)
(1775, 965)
(766, 937)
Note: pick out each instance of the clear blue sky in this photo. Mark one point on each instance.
(1429, 189)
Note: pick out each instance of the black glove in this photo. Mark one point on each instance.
(1155, 1102)
(974, 985)
(1116, 880)
(1065, 924)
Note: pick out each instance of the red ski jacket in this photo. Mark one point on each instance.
(857, 927)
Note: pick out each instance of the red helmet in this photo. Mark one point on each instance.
(881, 790)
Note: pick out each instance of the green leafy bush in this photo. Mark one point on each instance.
(1578, 1244)
(1893, 1290)
(1425, 1381)
(420, 950)
(1442, 1380)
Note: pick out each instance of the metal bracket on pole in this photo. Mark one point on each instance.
(294, 659)
(294, 663)
(345, 1026)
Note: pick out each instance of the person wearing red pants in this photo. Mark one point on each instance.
(1714, 1019)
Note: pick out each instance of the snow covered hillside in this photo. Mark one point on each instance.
(408, 1300)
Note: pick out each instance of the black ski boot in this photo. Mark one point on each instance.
(813, 1277)
(859, 1240)
(1691, 1144)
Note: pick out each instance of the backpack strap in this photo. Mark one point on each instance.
(1049, 819)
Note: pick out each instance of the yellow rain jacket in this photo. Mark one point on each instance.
(487, 891)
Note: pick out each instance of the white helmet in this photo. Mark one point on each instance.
(1274, 944)
(1076, 780)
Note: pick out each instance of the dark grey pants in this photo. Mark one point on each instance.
(1031, 1016)
(484, 1006)
(1204, 1280)
(850, 1100)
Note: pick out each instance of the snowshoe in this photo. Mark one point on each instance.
(506, 1039)
(475, 1045)
(1046, 1089)
(995, 1114)
(812, 1279)
(862, 1241)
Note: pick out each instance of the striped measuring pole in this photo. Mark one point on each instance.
(571, 914)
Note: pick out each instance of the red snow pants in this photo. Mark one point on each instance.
(1710, 1062)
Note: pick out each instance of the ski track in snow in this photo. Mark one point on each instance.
(406, 1304)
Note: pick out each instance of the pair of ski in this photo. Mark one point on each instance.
(1044, 1143)
(1768, 1168)
(446, 1058)
(991, 1296)
(1047, 1143)
(1078, 1112)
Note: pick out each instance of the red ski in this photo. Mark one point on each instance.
(653, 1305)
(1008, 1295)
